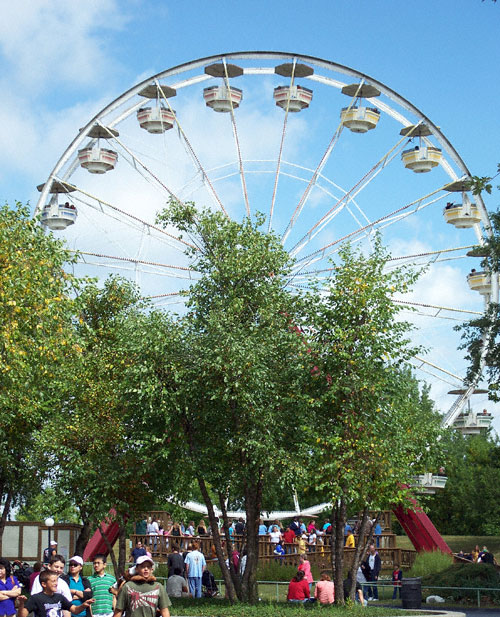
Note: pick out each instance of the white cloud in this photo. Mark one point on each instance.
(46, 42)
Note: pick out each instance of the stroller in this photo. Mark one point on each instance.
(210, 589)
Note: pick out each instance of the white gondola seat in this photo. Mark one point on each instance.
(155, 119)
(480, 281)
(294, 98)
(462, 216)
(360, 119)
(428, 483)
(472, 423)
(58, 217)
(421, 159)
(97, 160)
(222, 98)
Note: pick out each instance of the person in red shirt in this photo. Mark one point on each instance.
(289, 539)
(298, 589)
(397, 577)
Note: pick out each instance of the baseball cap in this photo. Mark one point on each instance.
(143, 559)
(77, 559)
(53, 543)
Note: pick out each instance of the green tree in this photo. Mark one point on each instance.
(474, 471)
(38, 506)
(470, 502)
(227, 376)
(36, 308)
(487, 327)
(98, 444)
(371, 433)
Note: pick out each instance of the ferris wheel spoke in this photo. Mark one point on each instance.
(282, 142)
(438, 368)
(193, 154)
(312, 183)
(131, 265)
(102, 205)
(236, 141)
(348, 196)
(433, 316)
(390, 218)
(318, 170)
(432, 253)
(421, 366)
(140, 166)
(138, 261)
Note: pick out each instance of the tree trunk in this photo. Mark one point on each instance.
(359, 553)
(83, 537)
(235, 574)
(5, 511)
(230, 590)
(122, 548)
(338, 533)
(253, 505)
(110, 551)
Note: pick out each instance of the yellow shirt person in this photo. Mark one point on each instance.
(350, 542)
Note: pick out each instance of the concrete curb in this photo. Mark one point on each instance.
(424, 613)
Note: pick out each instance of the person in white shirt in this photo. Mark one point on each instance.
(275, 535)
(56, 566)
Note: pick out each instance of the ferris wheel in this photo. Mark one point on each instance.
(327, 153)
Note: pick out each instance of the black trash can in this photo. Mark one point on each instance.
(411, 592)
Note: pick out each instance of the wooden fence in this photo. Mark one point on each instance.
(161, 546)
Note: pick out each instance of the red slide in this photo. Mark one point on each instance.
(97, 544)
(419, 528)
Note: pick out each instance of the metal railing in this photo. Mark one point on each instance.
(478, 590)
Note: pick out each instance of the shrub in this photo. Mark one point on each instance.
(428, 563)
(466, 575)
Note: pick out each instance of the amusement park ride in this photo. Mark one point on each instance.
(293, 166)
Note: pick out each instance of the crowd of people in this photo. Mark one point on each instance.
(55, 594)
(296, 537)
(100, 595)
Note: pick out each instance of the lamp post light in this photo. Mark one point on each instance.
(49, 522)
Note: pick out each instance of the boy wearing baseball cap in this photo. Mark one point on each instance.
(142, 595)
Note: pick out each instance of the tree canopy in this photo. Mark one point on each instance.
(36, 310)
(371, 430)
(252, 393)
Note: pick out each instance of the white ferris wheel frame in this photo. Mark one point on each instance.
(68, 163)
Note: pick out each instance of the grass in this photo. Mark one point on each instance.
(430, 563)
(221, 608)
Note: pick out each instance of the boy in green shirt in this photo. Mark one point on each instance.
(142, 595)
(100, 582)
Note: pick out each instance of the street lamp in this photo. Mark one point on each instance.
(49, 522)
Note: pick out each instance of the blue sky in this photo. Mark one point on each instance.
(57, 57)
(61, 61)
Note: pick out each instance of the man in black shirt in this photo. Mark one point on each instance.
(175, 560)
(239, 528)
(138, 551)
